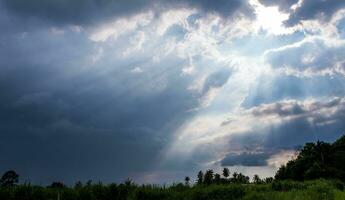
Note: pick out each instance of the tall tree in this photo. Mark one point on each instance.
(208, 179)
(200, 180)
(256, 179)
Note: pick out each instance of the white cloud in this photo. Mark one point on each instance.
(173, 17)
(112, 30)
(281, 158)
(136, 70)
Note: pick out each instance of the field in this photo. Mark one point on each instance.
(277, 190)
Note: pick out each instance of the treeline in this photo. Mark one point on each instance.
(277, 190)
(209, 177)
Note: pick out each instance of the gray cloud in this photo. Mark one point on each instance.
(246, 159)
(269, 89)
(308, 10)
(90, 11)
(284, 5)
(281, 109)
(66, 118)
(315, 9)
(315, 120)
(216, 80)
(293, 108)
(312, 55)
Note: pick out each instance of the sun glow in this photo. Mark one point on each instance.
(270, 19)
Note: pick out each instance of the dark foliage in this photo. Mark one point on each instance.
(10, 178)
(316, 160)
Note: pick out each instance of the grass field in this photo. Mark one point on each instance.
(278, 190)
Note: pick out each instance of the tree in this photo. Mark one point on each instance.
(10, 178)
(200, 180)
(256, 179)
(217, 178)
(234, 177)
(57, 184)
(208, 179)
(78, 185)
(186, 180)
(316, 160)
(226, 172)
(268, 180)
(240, 178)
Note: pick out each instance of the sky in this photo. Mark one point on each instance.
(156, 90)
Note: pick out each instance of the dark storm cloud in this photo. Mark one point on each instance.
(246, 159)
(90, 11)
(69, 133)
(315, 9)
(65, 118)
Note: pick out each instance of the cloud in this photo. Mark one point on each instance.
(246, 159)
(297, 122)
(91, 11)
(216, 80)
(313, 55)
(114, 89)
(284, 5)
(75, 111)
(315, 10)
(279, 129)
(302, 10)
(280, 86)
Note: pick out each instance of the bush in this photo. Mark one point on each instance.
(287, 185)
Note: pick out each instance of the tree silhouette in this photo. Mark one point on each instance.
(200, 178)
(208, 179)
(226, 172)
(217, 178)
(268, 180)
(10, 178)
(256, 179)
(186, 180)
(240, 178)
(78, 185)
(57, 184)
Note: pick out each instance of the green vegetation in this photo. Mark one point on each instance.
(316, 174)
(280, 190)
(316, 160)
